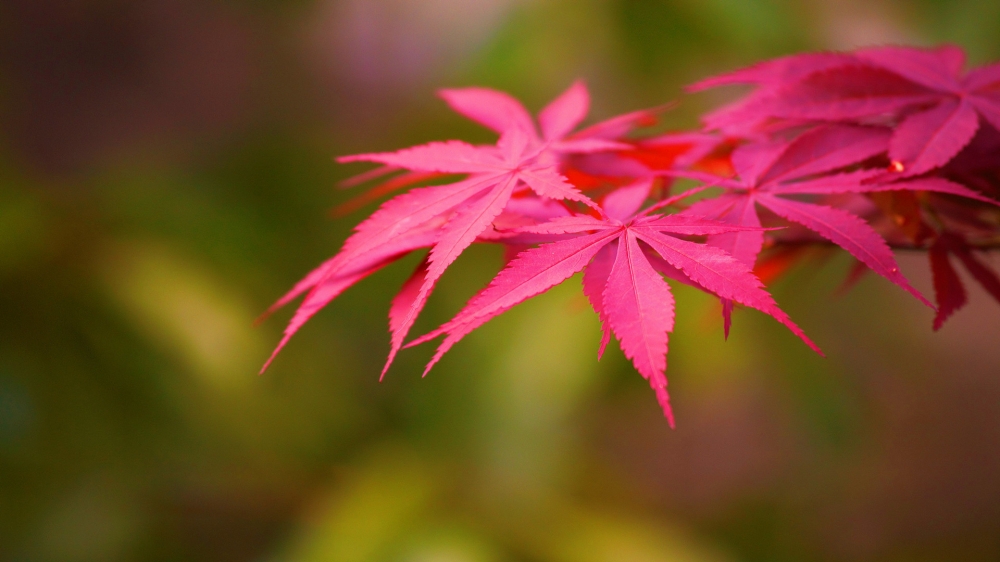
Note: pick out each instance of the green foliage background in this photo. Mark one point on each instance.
(166, 173)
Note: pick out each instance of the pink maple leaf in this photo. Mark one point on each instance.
(813, 136)
(623, 258)
(948, 287)
(938, 108)
(768, 173)
(745, 117)
(932, 135)
(501, 112)
(459, 211)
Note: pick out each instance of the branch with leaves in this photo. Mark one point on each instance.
(890, 147)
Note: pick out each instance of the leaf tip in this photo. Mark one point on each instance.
(388, 363)
(664, 399)
(727, 317)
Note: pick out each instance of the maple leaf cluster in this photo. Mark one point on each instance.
(868, 150)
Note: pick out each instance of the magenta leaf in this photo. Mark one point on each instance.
(504, 114)
(409, 211)
(742, 245)
(827, 148)
(627, 293)
(330, 279)
(491, 108)
(883, 82)
(640, 310)
(746, 244)
(948, 290)
(743, 118)
(929, 139)
(847, 231)
(627, 200)
(752, 161)
(777, 72)
(532, 272)
(848, 92)
(548, 183)
(815, 144)
(719, 273)
(565, 112)
(472, 219)
(938, 69)
(462, 211)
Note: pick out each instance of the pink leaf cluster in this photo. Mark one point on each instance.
(869, 150)
(931, 126)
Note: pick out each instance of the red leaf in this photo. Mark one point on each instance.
(848, 93)
(473, 218)
(847, 231)
(934, 68)
(776, 72)
(719, 273)
(640, 309)
(565, 112)
(496, 110)
(530, 273)
(929, 139)
(948, 290)
(627, 293)
(827, 148)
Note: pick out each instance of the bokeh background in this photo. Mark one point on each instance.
(166, 173)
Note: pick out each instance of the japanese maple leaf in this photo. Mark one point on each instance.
(333, 277)
(930, 137)
(622, 258)
(746, 116)
(463, 210)
(501, 112)
(948, 287)
(767, 173)
(940, 108)
(776, 72)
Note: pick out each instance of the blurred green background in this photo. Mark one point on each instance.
(166, 173)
